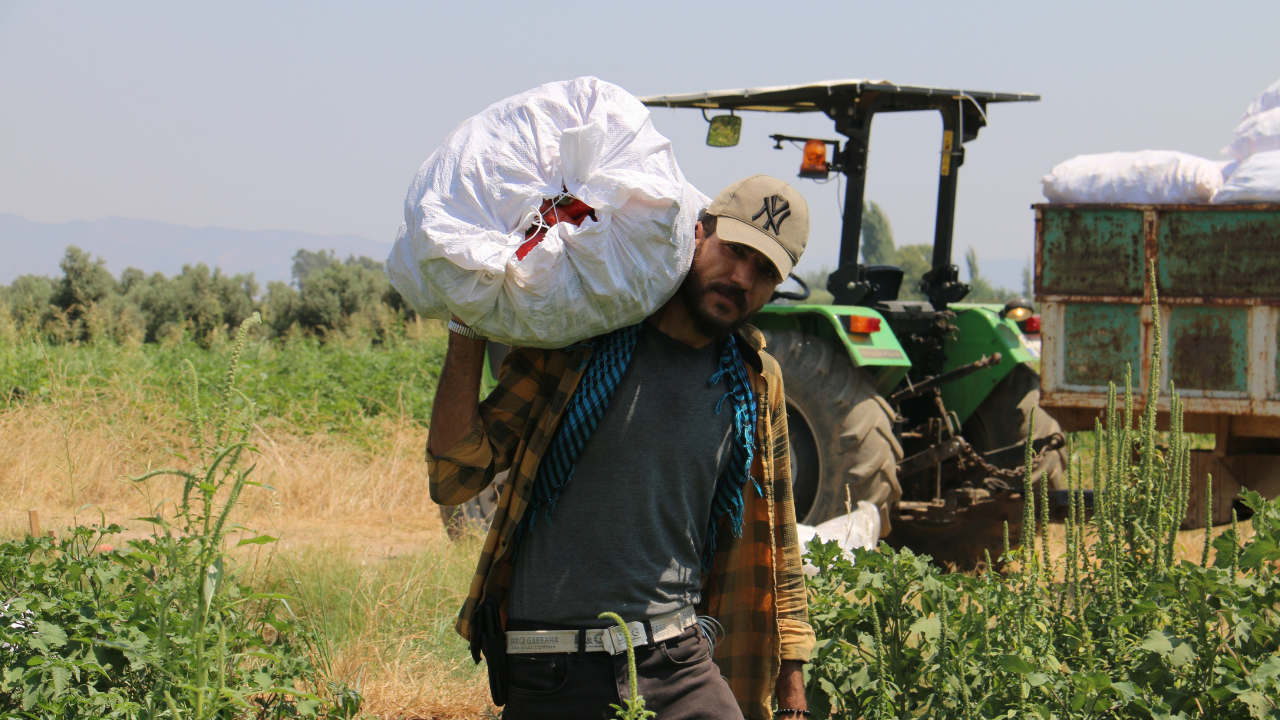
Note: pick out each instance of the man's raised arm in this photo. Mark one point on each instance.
(460, 458)
(455, 412)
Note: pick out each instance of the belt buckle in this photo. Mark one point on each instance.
(615, 639)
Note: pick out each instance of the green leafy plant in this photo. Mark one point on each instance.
(163, 627)
(1117, 627)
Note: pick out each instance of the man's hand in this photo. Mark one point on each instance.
(790, 689)
(456, 408)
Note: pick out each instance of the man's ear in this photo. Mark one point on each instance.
(699, 232)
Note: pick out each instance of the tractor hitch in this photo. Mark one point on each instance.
(951, 375)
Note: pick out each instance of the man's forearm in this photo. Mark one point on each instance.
(456, 408)
(790, 688)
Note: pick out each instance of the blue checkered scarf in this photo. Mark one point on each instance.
(611, 354)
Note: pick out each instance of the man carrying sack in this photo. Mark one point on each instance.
(649, 476)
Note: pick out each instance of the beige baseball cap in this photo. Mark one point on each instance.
(766, 214)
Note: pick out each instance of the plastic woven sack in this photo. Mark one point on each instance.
(1256, 133)
(1268, 99)
(1149, 176)
(1257, 180)
(858, 529)
(552, 216)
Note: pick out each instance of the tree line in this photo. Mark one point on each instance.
(328, 297)
(916, 260)
(878, 248)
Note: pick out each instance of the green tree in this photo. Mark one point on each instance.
(84, 280)
(130, 278)
(877, 236)
(28, 300)
(85, 283)
(983, 290)
(915, 261)
(199, 300)
(351, 297)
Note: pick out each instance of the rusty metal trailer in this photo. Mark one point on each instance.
(1218, 282)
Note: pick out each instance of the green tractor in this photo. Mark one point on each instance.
(920, 408)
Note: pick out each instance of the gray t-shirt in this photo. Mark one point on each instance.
(627, 531)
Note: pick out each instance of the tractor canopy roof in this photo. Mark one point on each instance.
(827, 95)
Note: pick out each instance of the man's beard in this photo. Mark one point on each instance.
(693, 292)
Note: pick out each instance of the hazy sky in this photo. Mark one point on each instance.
(314, 116)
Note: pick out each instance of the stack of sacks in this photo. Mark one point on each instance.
(858, 529)
(1149, 176)
(1161, 176)
(1256, 149)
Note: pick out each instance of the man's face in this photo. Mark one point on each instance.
(727, 285)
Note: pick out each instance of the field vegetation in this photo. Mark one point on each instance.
(1118, 615)
(363, 572)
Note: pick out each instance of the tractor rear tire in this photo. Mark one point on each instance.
(474, 515)
(1004, 418)
(841, 430)
(1000, 421)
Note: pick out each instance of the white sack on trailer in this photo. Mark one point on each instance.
(1257, 133)
(471, 203)
(1257, 180)
(1148, 176)
(1268, 99)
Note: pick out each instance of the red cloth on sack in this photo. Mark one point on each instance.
(573, 211)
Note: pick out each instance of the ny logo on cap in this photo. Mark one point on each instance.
(775, 209)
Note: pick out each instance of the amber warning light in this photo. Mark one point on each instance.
(863, 325)
(815, 160)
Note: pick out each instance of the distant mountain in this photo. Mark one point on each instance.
(34, 247)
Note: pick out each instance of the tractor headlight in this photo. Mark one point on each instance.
(1018, 309)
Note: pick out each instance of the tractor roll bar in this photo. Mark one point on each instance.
(852, 104)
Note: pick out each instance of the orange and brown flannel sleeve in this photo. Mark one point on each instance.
(461, 472)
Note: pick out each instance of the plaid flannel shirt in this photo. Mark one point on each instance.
(756, 587)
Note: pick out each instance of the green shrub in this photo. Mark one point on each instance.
(165, 627)
(1116, 628)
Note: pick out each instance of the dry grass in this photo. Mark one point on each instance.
(391, 621)
(1189, 545)
(358, 531)
(61, 459)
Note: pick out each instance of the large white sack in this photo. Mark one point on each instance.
(1257, 133)
(1268, 99)
(858, 529)
(1257, 180)
(1227, 167)
(470, 204)
(1149, 176)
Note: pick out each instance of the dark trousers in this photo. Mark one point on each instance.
(676, 678)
